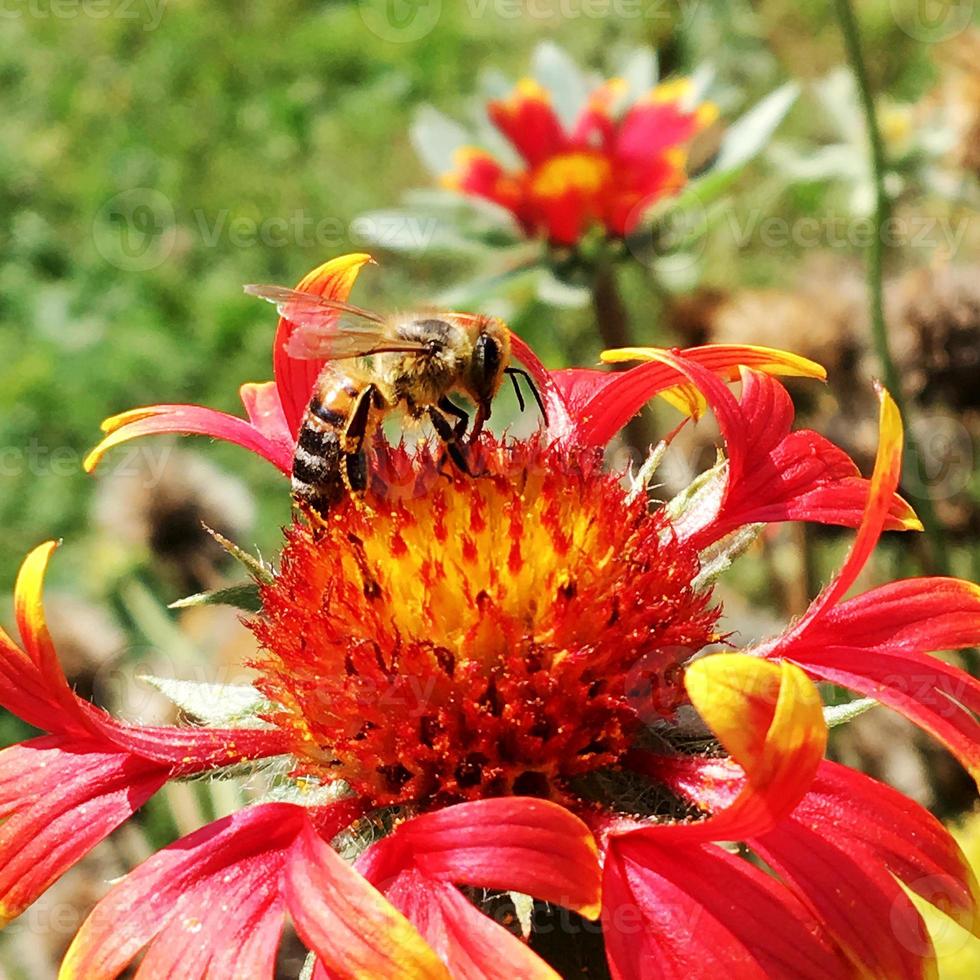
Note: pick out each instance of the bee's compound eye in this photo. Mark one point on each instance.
(487, 360)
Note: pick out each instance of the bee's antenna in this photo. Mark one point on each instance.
(517, 389)
(513, 373)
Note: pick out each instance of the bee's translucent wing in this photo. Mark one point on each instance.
(329, 329)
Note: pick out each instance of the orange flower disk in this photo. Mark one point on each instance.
(480, 638)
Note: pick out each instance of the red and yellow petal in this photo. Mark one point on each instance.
(596, 125)
(771, 722)
(33, 686)
(699, 912)
(877, 510)
(59, 797)
(860, 904)
(44, 678)
(295, 377)
(876, 823)
(470, 943)
(878, 643)
(354, 930)
(602, 402)
(652, 126)
(479, 173)
(529, 122)
(775, 474)
(188, 420)
(211, 904)
(510, 843)
(838, 850)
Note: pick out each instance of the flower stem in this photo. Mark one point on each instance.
(612, 319)
(611, 316)
(876, 256)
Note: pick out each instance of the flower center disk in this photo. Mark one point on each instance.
(457, 638)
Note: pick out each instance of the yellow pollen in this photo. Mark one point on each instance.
(585, 172)
(676, 90)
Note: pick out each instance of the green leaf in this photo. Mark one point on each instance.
(245, 596)
(639, 70)
(743, 140)
(750, 133)
(555, 69)
(215, 705)
(436, 139)
(408, 230)
(841, 714)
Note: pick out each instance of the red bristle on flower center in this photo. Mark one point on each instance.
(456, 637)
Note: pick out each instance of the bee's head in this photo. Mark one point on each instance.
(491, 355)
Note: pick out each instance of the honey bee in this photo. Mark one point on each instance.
(378, 364)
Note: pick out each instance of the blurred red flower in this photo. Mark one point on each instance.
(616, 162)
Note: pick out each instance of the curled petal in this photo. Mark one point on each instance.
(352, 928)
(264, 410)
(62, 794)
(513, 843)
(603, 402)
(775, 474)
(33, 686)
(295, 377)
(32, 679)
(188, 420)
(884, 483)
(60, 797)
(771, 722)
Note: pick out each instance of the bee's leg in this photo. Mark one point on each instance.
(353, 464)
(447, 433)
(357, 422)
(461, 415)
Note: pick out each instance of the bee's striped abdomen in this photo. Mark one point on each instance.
(321, 468)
